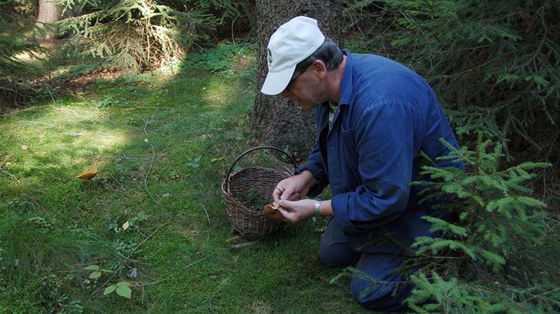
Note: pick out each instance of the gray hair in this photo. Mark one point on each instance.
(328, 52)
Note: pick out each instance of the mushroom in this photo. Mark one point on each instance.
(272, 213)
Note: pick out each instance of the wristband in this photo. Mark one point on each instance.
(316, 208)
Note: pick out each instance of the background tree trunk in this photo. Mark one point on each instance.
(277, 121)
(49, 13)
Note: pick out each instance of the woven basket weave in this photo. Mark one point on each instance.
(250, 222)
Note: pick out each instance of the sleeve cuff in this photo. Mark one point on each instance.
(318, 174)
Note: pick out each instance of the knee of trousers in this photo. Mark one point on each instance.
(328, 258)
(386, 296)
(333, 257)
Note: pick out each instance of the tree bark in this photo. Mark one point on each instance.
(274, 120)
(49, 13)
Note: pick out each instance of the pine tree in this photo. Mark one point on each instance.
(462, 268)
(143, 34)
(494, 64)
(14, 73)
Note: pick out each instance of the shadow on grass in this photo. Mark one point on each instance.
(154, 216)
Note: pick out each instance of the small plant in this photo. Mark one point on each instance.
(220, 59)
(96, 271)
(132, 223)
(109, 101)
(254, 200)
(195, 163)
(121, 288)
(464, 265)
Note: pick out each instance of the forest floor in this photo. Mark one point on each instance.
(150, 232)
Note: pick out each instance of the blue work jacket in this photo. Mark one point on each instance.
(386, 115)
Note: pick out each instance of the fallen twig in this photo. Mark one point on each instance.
(235, 237)
(121, 264)
(109, 279)
(207, 216)
(147, 122)
(168, 277)
(158, 108)
(148, 174)
(4, 162)
(148, 237)
(241, 245)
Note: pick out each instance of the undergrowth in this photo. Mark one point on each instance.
(472, 264)
(149, 233)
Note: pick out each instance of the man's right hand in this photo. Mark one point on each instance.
(294, 188)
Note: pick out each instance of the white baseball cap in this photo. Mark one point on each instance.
(290, 44)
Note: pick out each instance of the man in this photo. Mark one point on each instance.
(374, 117)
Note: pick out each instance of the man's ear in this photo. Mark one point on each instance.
(319, 67)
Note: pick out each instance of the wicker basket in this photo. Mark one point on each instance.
(250, 222)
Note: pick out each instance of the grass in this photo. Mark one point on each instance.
(154, 215)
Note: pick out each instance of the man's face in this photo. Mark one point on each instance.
(305, 88)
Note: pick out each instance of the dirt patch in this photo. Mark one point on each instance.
(57, 87)
(81, 83)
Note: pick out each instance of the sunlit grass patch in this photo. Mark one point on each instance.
(154, 215)
(58, 140)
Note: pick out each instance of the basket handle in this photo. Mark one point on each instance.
(292, 160)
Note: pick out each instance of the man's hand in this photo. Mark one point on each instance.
(294, 188)
(296, 211)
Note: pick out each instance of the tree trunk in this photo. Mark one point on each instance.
(274, 120)
(49, 13)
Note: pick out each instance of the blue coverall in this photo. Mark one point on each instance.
(369, 154)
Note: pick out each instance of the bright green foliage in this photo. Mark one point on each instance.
(121, 288)
(434, 294)
(494, 64)
(495, 217)
(144, 34)
(97, 271)
(135, 34)
(453, 296)
(14, 73)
